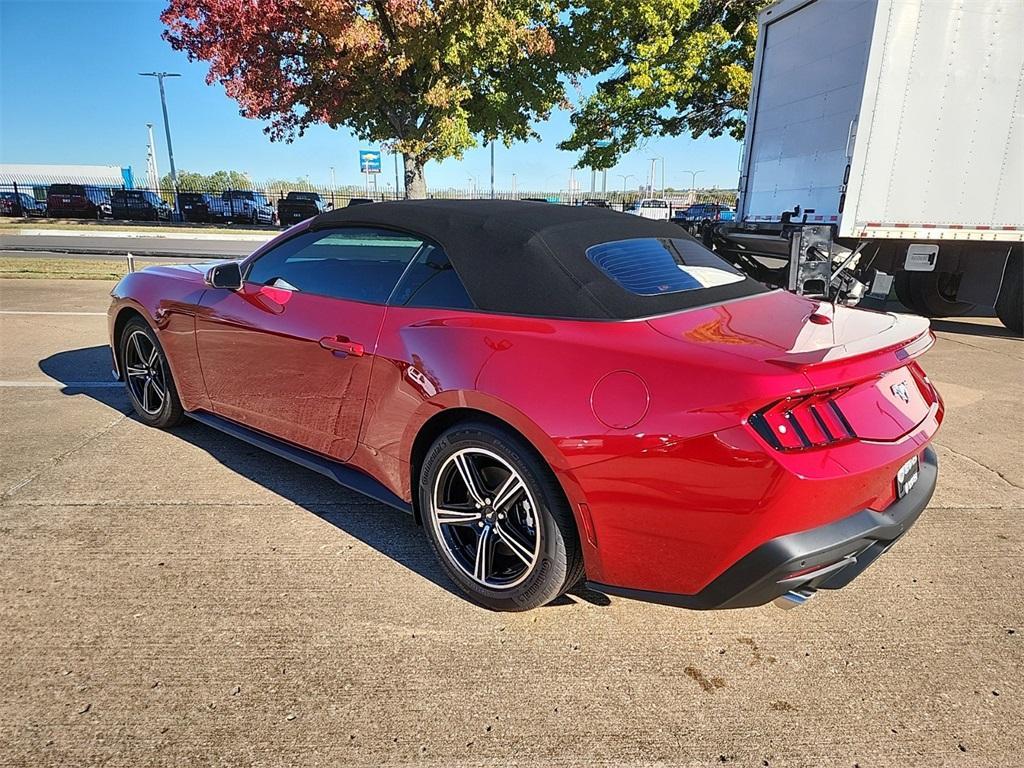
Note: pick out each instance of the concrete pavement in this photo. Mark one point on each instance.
(181, 598)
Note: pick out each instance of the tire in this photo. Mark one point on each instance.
(512, 581)
(146, 372)
(1010, 304)
(932, 294)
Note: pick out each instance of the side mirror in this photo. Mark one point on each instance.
(227, 276)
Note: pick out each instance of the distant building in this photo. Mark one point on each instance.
(36, 178)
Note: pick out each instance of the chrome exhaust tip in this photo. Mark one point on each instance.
(795, 598)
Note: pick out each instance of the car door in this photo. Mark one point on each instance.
(290, 353)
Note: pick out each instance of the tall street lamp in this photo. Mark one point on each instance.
(693, 184)
(654, 161)
(167, 129)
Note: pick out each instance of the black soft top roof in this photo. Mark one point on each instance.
(530, 258)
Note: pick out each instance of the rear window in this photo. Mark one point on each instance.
(67, 189)
(654, 204)
(652, 266)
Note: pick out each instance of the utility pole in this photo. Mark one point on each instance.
(167, 129)
(513, 186)
(396, 174)
(152, 174)
(492, 169)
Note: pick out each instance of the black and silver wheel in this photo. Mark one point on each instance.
(147, 377)
(497, 520)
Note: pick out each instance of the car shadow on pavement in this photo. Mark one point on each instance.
(386, 530)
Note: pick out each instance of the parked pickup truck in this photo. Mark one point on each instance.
(299, 206)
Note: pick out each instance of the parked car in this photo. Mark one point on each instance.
(704, 212)
(740, 446)
(20, 204)
(139, 205)
(248, 206)
(652, 208)
(78, 201)
(360, 201)
(299, 206)
(201, 207)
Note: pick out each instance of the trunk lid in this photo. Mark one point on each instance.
(857, 362)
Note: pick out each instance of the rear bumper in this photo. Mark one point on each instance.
(827, 557)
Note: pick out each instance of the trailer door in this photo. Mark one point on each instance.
(807, 95)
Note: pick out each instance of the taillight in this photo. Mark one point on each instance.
(799, 423)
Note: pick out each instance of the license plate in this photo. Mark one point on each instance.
(906, 478)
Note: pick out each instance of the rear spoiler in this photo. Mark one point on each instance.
(909, 336)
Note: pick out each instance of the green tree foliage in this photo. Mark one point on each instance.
(190, 181)
(431, 78)
(667, 67)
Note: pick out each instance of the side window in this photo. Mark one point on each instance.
(357, 263)
(431, 281)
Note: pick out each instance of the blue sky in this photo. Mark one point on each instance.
(70, 93)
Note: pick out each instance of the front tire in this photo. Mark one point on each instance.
(497, 520)
(148, 378)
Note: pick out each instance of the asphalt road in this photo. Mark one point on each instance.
(183, 599)
(77, 245)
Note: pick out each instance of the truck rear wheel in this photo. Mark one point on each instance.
(932, 294)
(1010, 304)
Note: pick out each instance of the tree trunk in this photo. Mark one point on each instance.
(415, 182)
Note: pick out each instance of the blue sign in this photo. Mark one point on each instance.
(369, 161)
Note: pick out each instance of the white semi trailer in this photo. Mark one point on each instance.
(885, 139)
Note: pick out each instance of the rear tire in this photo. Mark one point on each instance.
(147, 377)
(932, 294)
(1010, 304)
(531, 551)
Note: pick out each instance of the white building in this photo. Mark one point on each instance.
(31, 176)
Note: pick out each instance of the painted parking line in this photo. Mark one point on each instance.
(34, 312)
(64, 384)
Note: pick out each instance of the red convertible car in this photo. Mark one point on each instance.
(555, 393)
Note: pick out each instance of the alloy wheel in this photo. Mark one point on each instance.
(144, 371)
(486, 518)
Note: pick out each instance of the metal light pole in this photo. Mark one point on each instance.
(167, 129)
(625, 177)
(395, 153)
(152, 173)
(693, 184)
(513, 186)
(654, 166)
(492, 169)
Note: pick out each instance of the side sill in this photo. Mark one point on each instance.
(340, 473)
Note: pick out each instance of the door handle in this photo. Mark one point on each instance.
(342, 344)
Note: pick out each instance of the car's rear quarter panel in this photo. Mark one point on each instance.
(674, 499)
